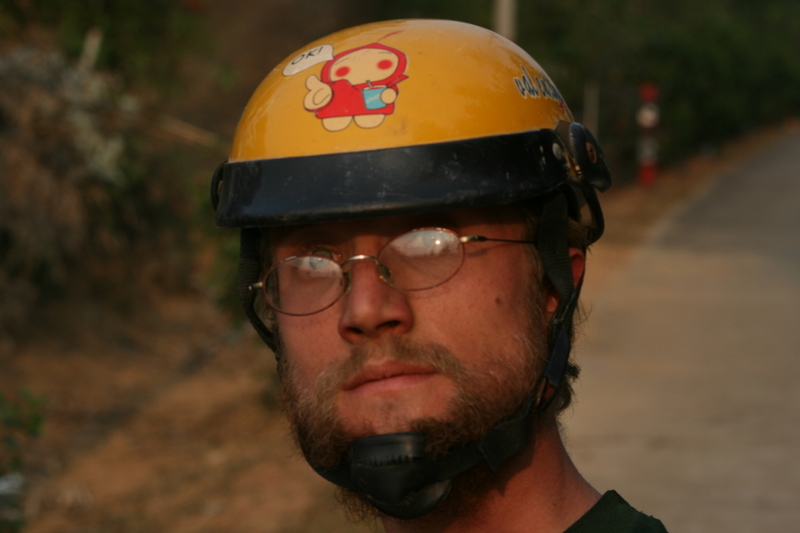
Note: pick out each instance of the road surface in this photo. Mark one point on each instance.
(689, 403)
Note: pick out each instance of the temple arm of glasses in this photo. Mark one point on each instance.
(481, 238)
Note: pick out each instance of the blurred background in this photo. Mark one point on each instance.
(132, 396)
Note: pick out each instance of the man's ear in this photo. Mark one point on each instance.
(577, 260)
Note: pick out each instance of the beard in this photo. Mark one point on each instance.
(484, 397)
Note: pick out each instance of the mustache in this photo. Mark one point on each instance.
(433, 354)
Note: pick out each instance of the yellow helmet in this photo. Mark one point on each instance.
(400, 117)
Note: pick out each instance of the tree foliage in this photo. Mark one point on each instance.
(722, 66)
(93, 198)
(141, 40)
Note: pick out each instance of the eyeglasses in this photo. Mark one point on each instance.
(421, 259)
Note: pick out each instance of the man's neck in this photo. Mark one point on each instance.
(538, 490)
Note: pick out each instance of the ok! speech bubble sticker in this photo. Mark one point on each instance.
(308, 59)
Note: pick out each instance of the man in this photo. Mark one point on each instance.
(417, 273)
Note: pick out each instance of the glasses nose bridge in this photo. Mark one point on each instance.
(380, 267)
(361, 257)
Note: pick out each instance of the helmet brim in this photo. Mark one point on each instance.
(485, 171)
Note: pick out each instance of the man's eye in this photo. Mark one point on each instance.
(319, 266)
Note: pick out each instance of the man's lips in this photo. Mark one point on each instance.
(389, 371)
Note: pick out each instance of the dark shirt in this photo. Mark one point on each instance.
(612, 514)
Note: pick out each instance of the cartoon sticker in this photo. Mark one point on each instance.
(357, 85)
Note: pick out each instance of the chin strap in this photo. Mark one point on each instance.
(395, 474)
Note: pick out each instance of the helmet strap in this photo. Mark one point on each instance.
(553, 246)
(395, 474)
(250, 266)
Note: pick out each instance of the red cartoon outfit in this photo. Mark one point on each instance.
(364, 98)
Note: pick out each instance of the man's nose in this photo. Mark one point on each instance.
(371, 307)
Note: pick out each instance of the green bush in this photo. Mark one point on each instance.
(21, 421)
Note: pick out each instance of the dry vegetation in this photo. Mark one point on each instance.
(75, 209)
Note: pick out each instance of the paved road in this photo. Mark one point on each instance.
(689, 402)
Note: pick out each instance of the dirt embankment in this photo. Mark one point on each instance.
(166, 421)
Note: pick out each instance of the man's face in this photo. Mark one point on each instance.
(449, 361)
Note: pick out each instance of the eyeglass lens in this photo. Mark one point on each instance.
(417, 260)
